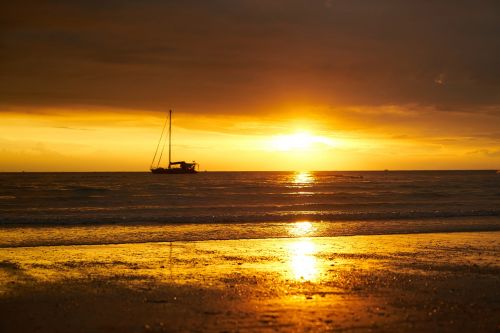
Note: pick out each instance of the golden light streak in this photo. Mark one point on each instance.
(124, 140)
(303, 261)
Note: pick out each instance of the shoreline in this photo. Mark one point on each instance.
(438, 282)
(31, 236)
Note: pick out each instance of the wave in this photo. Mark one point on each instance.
(25, 236)
(129, 217)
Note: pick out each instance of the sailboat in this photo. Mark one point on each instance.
(173, 167)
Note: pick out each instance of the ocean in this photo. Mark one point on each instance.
(97, 208)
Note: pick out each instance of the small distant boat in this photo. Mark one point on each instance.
(180, 167)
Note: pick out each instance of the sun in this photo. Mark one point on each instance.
(298, 141)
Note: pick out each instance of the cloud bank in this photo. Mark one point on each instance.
(249, 56)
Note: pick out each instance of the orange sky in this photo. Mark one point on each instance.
(255, 85)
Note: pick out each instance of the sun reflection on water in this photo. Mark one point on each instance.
(301, 229)
(303, 178)
(303, 261)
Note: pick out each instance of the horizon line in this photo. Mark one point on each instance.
(209, 171)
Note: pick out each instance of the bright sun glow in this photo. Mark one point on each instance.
(298, 141)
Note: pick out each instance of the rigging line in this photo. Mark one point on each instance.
(158, 146)
(165, 143)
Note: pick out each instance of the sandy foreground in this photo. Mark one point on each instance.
(422, 282)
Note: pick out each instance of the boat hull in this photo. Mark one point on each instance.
(172, 171)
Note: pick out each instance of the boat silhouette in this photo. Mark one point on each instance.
(180, 167)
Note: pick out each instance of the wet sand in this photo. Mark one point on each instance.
(422, 282)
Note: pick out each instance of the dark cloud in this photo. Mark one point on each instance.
(235, 56)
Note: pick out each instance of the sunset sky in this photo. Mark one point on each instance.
(254, 85)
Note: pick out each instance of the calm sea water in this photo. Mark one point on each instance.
(60, 200)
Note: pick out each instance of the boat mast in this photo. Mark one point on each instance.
(170, 139)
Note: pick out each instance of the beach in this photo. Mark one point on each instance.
(377, 283)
